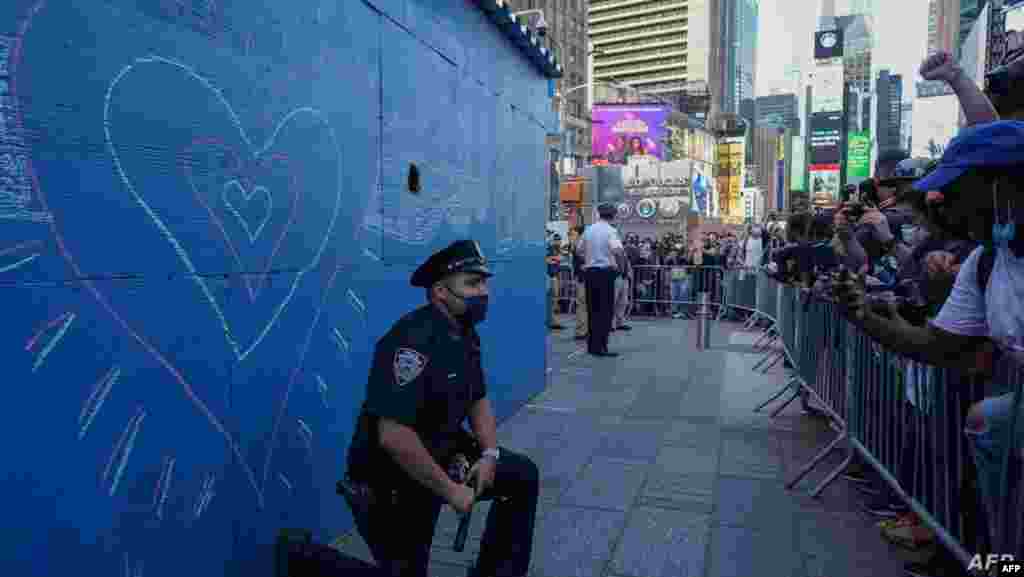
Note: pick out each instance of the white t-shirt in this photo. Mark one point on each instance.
(998, 313)
(599, 240)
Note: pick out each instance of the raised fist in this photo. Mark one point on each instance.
(939, 66)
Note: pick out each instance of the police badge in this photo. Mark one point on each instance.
(408, 365)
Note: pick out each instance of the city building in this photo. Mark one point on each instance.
(907, 125)
(567, 36)
(778, 111)
(970, 11)
(658, 47)
(889, 91)
(944, 26)
(734, 30)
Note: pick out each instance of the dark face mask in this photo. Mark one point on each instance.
(476, 308)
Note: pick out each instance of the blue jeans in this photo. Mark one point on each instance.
(988, 441)
(680, 292)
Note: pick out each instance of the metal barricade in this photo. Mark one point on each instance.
(663, 290)
(908, 421)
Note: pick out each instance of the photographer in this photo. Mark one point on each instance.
(980, 180)
(882, 221)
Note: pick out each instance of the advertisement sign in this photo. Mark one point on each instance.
(825, 185)
(858, 157)
(828, 88)
(826, 140)
(798, 166)
(621, 132)
(699, 191)
(828, 44)
(730, 177)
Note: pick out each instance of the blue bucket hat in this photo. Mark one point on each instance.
(991, 144)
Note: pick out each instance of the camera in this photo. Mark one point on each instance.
(854, 212)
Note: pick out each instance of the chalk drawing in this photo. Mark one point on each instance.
(122, 450)
(218, 224)
(321, 385)
(19, 264)
(236, 185)
(371, 255)
(15, 180)
(285, 482)
(206, 494)
(94, 403)
(306, 434)
(241, 351)
(163, 485)
(132, 569)
(295, 376)
(357, 304)
(64, 321)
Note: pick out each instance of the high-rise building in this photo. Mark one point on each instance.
(907, 125)
(858, 44)
(567, 37)
(658, 47)
(778, 111)
(889, 92)
(944, 26)
(734, 30)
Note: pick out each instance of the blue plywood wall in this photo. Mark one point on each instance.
(204, 228)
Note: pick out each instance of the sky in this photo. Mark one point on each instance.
(786, 37)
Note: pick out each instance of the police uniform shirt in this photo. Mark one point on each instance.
(599, 240)
(425, 375)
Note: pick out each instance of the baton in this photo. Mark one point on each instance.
(463, 531)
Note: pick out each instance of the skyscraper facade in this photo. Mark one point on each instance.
(567, 37)
(655, 46)
(890, 110)
(734, 32)
(943, 26)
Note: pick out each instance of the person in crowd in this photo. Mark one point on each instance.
(554, 262)
(980, 178)
(601, 245)
(623, 291)
(753, 248)
(678, 275)
(581, 289)
(645, 277)
(425, 382)
(880, 237)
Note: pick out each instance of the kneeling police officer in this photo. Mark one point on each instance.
(426, 378)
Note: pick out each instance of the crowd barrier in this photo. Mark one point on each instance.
(905, 419)
(662, 290)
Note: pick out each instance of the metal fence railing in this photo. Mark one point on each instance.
(904, 418)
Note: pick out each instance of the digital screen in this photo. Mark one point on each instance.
(622, 132)
(826, 140)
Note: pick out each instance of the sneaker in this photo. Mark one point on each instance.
(912, 537)
(677, 315)
(901, 521)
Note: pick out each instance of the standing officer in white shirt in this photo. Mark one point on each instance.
(601, 245)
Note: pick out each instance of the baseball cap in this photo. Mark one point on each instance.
(907, 169)
(983, 145)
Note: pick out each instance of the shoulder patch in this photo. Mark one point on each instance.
(408, 364)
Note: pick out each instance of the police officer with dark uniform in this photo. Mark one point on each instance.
(426, 379)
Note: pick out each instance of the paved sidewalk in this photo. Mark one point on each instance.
(654, 465)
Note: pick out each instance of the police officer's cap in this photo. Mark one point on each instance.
(606, 210)
(460, 256)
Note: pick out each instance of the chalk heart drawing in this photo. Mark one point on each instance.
(328, 208)
(235, 189)
(234, 195)
(202, 189)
